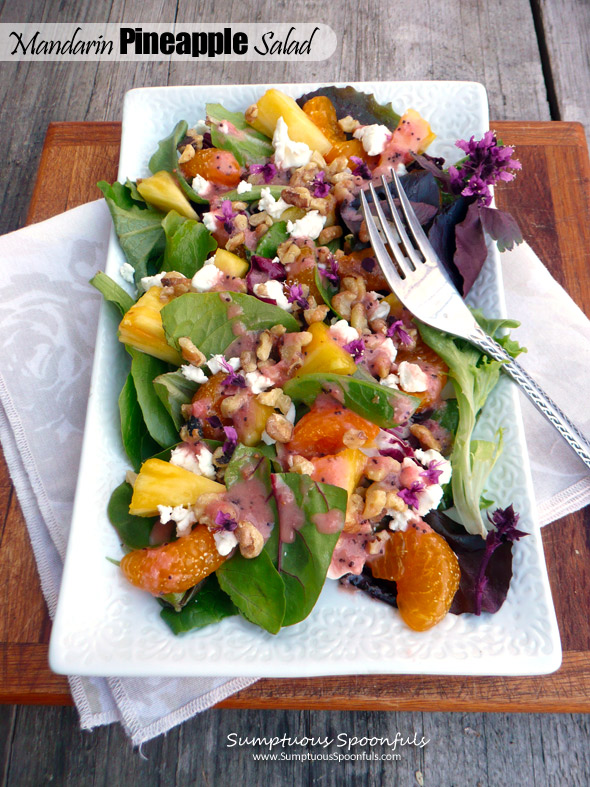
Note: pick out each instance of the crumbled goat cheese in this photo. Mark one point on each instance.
(381, 311)
(399, 519)
(183, 517)
(374, 138)
(258, 382)
(273, 289)
(243, 187)
(288, 153)
(225, 541)
(201, 127)
(426, 457)
(126, 272)
(198, 460)
(215, 363)
(147, 282)
(343, 333)
(291, 413)
(206, 278)
(193, 373)
(200, 185)
(391, 381)
(411, 377)
(210, 221)
(389, 348)
(400, 169)
(429, 498)
(274, 207)
(309, 226)
(266, 438)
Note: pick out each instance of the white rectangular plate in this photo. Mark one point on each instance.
(104, 626)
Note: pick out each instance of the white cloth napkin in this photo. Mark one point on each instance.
(47, 327)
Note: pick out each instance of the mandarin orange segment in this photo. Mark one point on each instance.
(175, 567)
(321, 431)
(349, 148)
(321, 111)
(426, 571)
(218, 166)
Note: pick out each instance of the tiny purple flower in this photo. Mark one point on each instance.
(215, 422)
(397, 328)
(356, 348)
(225, 521)
(410, 496)
(487, 162)
(295, 295)
(432, 473)
(331, 273)
(227, 215)
(362, 168)
(321, 189)
(233, 378)
(268, 171)
(231, 441)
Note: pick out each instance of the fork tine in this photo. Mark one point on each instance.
(404, 265)
(389, 270)
(399, 225)
(416, 228)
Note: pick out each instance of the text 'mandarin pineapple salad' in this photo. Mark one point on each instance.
(285, 417)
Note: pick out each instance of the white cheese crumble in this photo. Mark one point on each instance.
(193, 373)
(373, 137)
(206, 278)
(273, 289)
(225, 541)
(400, 519)
(258, 382)
(381, 312)
(411, 377)
(426, 457)
(274, 207)
(243, 187)
(391, 381)
(266, 438)
(201, 127)
(309, 226)
(183, 517)
(389, 348)
(126, 272)
(198, 460)
(290, 416)
(429, 498)
(215, 363)
(343, 333)
(210, 221)
(288, 153)
(147, 282)
(200, 185)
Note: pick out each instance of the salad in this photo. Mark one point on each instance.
(286, 420)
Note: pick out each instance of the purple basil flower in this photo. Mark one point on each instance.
(227, 215)
(268, 171)
(397, 327)
(320, 188)
(487, 162)
(432, 473)
(410, 496)
(362, 168)
(331, 272)
(356, 348)
(233, 378)
(295, 295)
(225, 521)
(215, 422)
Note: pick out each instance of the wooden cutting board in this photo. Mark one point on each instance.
(551, 202)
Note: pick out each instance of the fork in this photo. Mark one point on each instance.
(424, 287)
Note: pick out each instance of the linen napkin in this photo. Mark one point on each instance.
(47, 327)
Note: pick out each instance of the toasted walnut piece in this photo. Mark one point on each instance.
(259, 218)
(278, 330)
(235, 241)
(358, 317)
(378, 467)
(339, 164)
(354, 438)
(381, 365)
(262, 229)
(297, 195)
(321, 205)
(364, 232)
(241, 222)
(248, 361)
(251, 113)
(316, 314)
(301, 465)
(425, 436)
(175, 284)
(238, 205)
(354, 512)
(317, 158)
(264, 347)
(293, 344)
(378, 325)
(348, 124)
(324, 255)
(190, 352)
(343, 191)
(288, 252)
(394, 502)
(342, 303)
(270, 398)
(329, 233)
(377, 545)
(374, 502)
(355, 284)
(188, 153)
(279, 428)
(304, 175)
(250, 539)
(284, 403)
(231, 404)
(203, 501)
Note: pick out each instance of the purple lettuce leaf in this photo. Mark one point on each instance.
(502, 227)
(262, 270)
(471, 250)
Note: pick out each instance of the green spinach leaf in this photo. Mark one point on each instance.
(247, 145)
(259, 458)
(188, 191)
(326, 289)
(174, 390)
(166, 156)
(272, 239)
(188, 244)
(159, 423)
(137, 441)
(112, 292)
(209, 605)
(363, 107)
(134, 531)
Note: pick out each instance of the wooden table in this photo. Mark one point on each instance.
(553, 210)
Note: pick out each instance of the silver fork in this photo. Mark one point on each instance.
(424, 287)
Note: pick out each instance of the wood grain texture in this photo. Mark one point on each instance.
(85, 152)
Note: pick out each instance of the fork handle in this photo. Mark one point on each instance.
(537, 395)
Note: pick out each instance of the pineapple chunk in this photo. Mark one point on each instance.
(323, 354)
(142, 328)
(231, 264)
(163, 192)
(160, 483)
(274, 105)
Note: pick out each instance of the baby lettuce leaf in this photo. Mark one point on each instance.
(247, 145)
(159, 423)
(203, 316)
(174, 390)
(304, 562)
(250, 462)
(254, 194)
(139, 229)
(208, 605)
(188, 244)
(112, 292)
(363, 107)
(188, 190)
(383, 406)
(256, 588)
(134, 531)
(272, 239)
(326, 289)
(166, 156)
(136, 439)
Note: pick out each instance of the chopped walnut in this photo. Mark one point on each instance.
(321, 205)
(251, 113)
(378, 467)
(316, 314)
(354, 438)
(275, 398)
(231, 404)
(329, 233)
(264, 347)
(190, 352)
(339, 164)
(317, 158)
(279, 428)
(303, 176)
(203, 501)
(394, 502)
(250, 539)
(377, 545)
(297, 195)
(342, 303)
(238, 205)
(358, 317)
(241, 222)
(348, 124)
(235, 241)
(354, 512)
(375, 501)
(188, 153)
(173, 285)
(248, 361)
(378, 326)
(278, 330)
(259, 218)
(299, 464)
(293, 344)
(355, 284)
(288, 252)
(425, 436)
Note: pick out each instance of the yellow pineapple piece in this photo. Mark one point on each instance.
(275, 104)
(343, 469)
(163, 192)
(324, 354)
(164, 484)
(231, 264)
(142, 328)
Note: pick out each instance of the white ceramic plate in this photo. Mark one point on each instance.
(104, 626)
